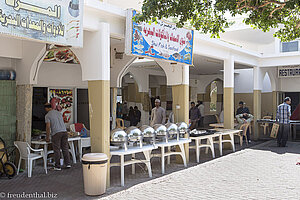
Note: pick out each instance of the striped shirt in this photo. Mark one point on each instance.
(283, 113)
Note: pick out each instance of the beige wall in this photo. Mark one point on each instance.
(266, 102)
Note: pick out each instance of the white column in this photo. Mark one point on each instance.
(229, 93)
(229, 72)
(258, 76)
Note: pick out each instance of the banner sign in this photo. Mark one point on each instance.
(55, 21)
(159, 40)
(62, 101)
(290, 71)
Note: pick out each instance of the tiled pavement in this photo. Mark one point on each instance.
(261, 172)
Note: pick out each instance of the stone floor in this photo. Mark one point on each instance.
(262, 171)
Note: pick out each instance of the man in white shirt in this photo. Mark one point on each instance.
(158, 114)
(201, 108)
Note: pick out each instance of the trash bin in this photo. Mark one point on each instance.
(94, 166)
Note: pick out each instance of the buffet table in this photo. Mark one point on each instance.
(168, 144)
(146, 150)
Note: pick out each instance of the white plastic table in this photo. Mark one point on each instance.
(209, 144)
(224, 132)
(170, 143)
(132, 151)
(71, 145)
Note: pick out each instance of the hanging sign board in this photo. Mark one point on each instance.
(56, 21)
(62, 101)
(159, 40)
(290, 71)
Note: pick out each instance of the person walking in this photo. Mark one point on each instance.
(194, 115)
(55, 127)
(158, 114)
(283, 117)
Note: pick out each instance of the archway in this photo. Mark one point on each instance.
(142, 82)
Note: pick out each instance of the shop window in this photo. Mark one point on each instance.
(289, 46)
(213, 96)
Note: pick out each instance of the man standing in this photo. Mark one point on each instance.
(194, 116)
(125, 111)
(55, 127)
(158, 114)
(242, 109)
(137, 115)
(201, 108)
(283, 117)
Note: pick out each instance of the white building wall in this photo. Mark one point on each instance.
(290, 84)
(7, 63)
(53, 74)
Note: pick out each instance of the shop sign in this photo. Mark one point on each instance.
(55, 21)
(161, 40)
(290, 71)
(62, 101)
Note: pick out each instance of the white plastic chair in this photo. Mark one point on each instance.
(84, 142)
(25, 154)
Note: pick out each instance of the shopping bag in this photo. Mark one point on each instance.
(274, 131)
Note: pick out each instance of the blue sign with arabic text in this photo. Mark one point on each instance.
(162, 40)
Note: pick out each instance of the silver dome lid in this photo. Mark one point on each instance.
(160, 129)
(134, 134)
(147, 131)
(182, 127)
(172, 128)
(118, 135)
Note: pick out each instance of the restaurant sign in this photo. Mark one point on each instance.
(159, 40)
(55, 21)
(290, 71)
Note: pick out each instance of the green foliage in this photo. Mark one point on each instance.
(208, 16)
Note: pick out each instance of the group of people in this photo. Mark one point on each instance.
(133, 114)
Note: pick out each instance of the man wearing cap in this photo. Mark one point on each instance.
(242, 109)
(283, 117)
(158, 114)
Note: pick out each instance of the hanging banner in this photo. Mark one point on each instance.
(159, 40)
(56, 21)
(289, 71)
(62, 101)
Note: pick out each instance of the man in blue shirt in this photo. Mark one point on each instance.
(283, 117)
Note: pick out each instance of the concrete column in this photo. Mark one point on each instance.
(95, 62)
(114, 106)
(274, 103)
(257, 87)
(180, 95)
(228, 97)
(24, 112)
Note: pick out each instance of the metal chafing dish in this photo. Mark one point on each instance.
(161, 132)
(183, 129)
(148, 134)
(118, 137)
(173, 132)
(135, 135)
